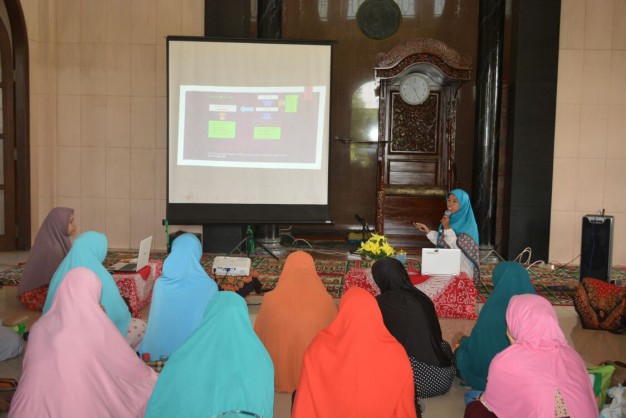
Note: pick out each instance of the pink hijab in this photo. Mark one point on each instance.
(50, 248)
(77, 364)
(522, 378)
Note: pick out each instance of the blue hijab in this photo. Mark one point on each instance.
(89, 250)
(488, 336)
(223, 367)
(179, 298)
(463, 220)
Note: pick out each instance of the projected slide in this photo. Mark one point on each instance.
(251, 127)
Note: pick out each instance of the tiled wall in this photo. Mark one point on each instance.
(590, 143)
(98, 115)
(98, 111)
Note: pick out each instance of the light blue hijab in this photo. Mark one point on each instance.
(463, 220)
(179, 298)
(223, 367)
(89, 250)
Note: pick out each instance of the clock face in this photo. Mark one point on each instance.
(414, 89)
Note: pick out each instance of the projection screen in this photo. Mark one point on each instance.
(248, 131)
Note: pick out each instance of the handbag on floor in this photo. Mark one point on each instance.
(601, 305)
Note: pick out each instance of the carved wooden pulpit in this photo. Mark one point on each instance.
(417, 83)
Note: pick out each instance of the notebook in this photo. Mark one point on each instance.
(441, 261)
(142, 259)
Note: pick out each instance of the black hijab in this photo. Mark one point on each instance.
(409, 314)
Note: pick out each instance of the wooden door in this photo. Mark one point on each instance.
(8, 228)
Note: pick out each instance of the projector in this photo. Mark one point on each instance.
(231, 266)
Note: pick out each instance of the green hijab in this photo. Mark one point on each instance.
(221, 368)
(488, 337)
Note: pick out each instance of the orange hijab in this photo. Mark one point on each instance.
(355, 367)
(290, 317)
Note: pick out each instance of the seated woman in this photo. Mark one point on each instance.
(459, 230)
(539, 375)
(50, 247)
(355, 367)
(488, 336)
(221, 370)
(291, 315)
(179, 298)
(410, 317)
(77, 364)
(89, 250)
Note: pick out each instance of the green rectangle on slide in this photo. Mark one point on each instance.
(267, 132)
(291, 103)
(222, 129)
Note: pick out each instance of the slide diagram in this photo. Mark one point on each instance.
(257, 127)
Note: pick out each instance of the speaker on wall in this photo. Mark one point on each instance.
(596, 248)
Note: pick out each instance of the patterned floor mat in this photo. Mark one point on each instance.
(558, 285)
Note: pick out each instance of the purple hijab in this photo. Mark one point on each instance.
(51, 245)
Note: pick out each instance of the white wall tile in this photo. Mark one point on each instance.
(118, 21)
(93, 214)
(118, 173)
(118, 223)
(118, 121)
(93, 121)
(142, 171)
(69, 172)
(142, 122)
(93, 171)
(564, 184)
(142, 220)
(590, 193)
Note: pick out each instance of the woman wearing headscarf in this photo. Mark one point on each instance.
(51, 245)
(89, 250)
(539, 375)
(77, 364)
(355, 367)
(291, 315)
(458, 230)
(488, 336)
(179, 298)
(221, 370)
(410, 316)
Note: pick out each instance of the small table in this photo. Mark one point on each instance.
(453, 296)
(136, 288)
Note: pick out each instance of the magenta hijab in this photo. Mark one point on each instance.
(522, 378)
(51, 245)
(77, 364)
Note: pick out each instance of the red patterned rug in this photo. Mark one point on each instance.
(558, 285)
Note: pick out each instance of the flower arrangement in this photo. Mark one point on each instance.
(376, 247)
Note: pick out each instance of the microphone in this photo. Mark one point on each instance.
(447, 214)
(358, 218)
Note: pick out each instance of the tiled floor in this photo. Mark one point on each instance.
(594, 346)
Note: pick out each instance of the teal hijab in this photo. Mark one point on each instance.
(463, 220)
(488, 337)
(223, 369)
(89, 250)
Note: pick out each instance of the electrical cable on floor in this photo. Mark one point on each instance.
(492, 252)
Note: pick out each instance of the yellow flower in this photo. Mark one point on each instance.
(376, 247)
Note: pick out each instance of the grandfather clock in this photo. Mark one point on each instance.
(417, 83)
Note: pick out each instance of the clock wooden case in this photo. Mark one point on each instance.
(417, 83)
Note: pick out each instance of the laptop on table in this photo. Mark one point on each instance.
(142, 259)
(441, 261)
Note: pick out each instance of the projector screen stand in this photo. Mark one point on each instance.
(248, 243)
